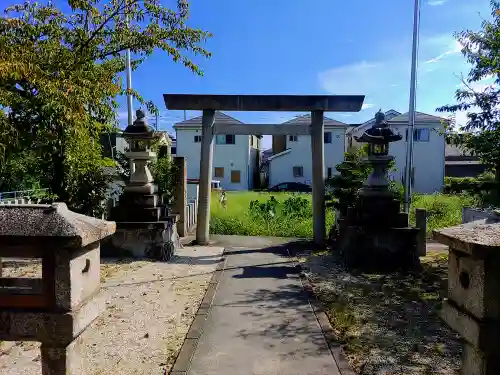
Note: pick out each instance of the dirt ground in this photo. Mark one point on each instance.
(149, 308)
(388, 324)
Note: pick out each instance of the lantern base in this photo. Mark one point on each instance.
(156, 240)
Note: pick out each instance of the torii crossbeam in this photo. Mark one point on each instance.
(316, 104)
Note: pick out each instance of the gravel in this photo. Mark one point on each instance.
(149, 308)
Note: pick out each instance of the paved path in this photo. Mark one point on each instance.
(260, 322)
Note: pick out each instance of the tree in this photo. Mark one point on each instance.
(481, 133)
(353, 172)
(60, 77)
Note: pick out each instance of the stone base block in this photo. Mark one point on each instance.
(64, 360)
(481, 334)
(476, 362)
(124, 213)
(158, 240)
(51, 328)
(388, 250)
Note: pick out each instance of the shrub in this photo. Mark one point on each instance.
(353, 172)
(296, 206)
(483, 189)
(266, 209)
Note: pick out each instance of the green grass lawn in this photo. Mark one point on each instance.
(236, 218)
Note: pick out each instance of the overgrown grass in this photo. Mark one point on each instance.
(442, 210)
(387, 322)
(236, 218)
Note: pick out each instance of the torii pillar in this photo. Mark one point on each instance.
(316, 104)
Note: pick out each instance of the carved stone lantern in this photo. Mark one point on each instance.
(375, 234)
(57, 307)
(144, 227)
(139, 137)
(378, 138)
(473, 305)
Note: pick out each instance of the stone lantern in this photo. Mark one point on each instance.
(57, 307)
(143, 227)
(375, 234)
(139, 137)
(378, 138)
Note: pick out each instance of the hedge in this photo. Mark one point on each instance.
(471, 185)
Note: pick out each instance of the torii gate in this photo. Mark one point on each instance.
(316, 104)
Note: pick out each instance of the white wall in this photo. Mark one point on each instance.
(281, 167)
(229, 157)
(428, 158)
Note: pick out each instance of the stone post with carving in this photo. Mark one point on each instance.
(56, 308)
(473, 305)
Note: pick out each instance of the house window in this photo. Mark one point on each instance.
(420, 135)
(197, 138)
(251, 141)
(298, 171)
(327, 137)
(292, 138)
(174, 150)
(329, 172)
(235, 177)
(219, 172)
(225, 139)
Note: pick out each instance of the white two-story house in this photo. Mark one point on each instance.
(292, 158)
(428, 149)
(235, 157)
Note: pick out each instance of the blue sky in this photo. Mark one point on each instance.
(319, 47)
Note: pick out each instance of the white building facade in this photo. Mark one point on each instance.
(428, 150)
(291, 162)
(235, 157)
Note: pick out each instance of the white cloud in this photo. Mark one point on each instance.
(436, 2)
(385, 82)
(454, 48)
(375, 80)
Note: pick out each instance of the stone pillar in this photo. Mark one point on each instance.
(203, 218)
(180, 197)
(57, 308)
(318, 177)
(421, 224)
(473, 305)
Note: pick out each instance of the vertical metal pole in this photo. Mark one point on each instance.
(130, 108)
(184, 115)
(411, 112)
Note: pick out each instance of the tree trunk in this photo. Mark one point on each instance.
(58, 183)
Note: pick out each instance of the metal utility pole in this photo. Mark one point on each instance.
(411, 112)
(184, 115)
(130, 108)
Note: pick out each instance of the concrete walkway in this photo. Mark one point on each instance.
(260, 321)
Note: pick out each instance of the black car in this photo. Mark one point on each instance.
(296, 187)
